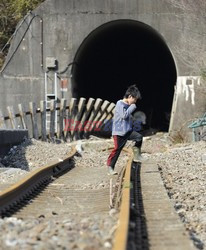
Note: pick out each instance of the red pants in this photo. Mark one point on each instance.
(119, 143)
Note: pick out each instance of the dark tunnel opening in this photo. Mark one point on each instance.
(125, 52)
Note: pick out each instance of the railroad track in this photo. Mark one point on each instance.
(18, 194)
(56, 192)
(139, 196)
(147, 216)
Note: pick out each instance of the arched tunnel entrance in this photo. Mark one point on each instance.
(125, 52)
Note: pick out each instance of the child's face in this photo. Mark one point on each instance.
(131, 100)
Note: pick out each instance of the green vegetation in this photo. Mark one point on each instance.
(11, 12)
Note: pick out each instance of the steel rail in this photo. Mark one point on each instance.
(121, 235)
(18, 192)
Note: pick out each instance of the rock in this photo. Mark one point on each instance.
(79, 147)
(182, 168)
(204, 158)
(112, 212)
(107, 244)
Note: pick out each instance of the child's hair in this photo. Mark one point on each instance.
(133, 91)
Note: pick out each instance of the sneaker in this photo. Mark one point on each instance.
(111, 171)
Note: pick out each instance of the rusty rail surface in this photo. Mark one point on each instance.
(14, 195)
(121, 236)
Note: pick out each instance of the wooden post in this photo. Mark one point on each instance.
(106, 125)
(108, 122)
(43, 120)
(70, 121)
(89, 106)
(2, 123)
(93, 114)
(62, 113)
(104, 116)
(22, 116)
(32, 107)
(67, 115)
(99, 115)
(12, 117)
(78, 116)
(52, 118)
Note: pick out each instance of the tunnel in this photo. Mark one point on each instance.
(121, 53)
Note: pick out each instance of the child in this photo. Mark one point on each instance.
(122, 128)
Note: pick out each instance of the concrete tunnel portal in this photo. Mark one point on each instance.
(125, 52)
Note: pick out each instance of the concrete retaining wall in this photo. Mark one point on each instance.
(189, 104)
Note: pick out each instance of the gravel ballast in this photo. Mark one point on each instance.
(86, 231)
(183, 170)
(28, 156)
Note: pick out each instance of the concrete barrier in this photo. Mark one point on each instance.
(9, 138)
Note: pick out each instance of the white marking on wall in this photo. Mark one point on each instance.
(186, 86)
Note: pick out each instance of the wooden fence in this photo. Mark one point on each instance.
(66, 121)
